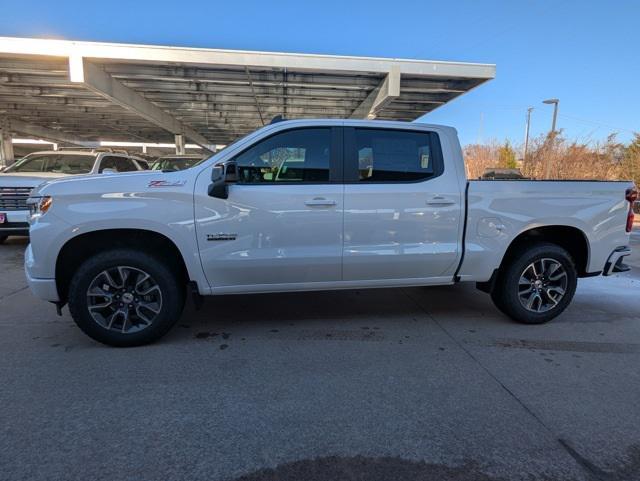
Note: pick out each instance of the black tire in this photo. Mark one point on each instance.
(3, 238)
(168, 287)
(512, 294)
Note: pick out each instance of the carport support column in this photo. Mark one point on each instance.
(180, 148)
(6, 148)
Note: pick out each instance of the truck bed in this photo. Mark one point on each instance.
(498, 211)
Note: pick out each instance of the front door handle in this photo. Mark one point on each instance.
(320, 202)
(438, 200)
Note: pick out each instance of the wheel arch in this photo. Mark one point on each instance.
(81, 247)
(570, 238)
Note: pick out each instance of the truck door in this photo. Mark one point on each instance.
(282, 221)
(403, 206)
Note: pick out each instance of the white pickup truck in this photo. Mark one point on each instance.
(313, 205)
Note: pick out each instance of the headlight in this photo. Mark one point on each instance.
(38, 206)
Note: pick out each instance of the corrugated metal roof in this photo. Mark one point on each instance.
(148, 93)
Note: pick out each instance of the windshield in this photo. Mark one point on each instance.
(55, 163)
(175, 163)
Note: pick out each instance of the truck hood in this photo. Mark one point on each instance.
(96, 182)
(27, 179)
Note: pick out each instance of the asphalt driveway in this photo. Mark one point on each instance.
(391, 384)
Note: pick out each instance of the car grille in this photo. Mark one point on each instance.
(14, 198)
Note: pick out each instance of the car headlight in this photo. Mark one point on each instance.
(38, 206)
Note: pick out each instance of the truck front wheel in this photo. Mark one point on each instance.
(536, 284)
(125, 297)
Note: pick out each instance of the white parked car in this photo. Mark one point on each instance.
(17, 180)
(313, 205)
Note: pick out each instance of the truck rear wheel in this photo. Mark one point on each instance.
(536, 284)
(3, 238)
(125, 298)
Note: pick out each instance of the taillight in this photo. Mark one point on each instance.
(631, 196)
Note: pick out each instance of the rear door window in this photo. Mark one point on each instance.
(118, 164)
(108, 162)
(388, 155)
(124, 164)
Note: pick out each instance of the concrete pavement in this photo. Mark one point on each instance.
(388, 384)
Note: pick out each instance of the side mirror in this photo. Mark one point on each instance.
(221, 176)
(217, 173)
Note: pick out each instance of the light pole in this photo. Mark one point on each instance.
(526, 134)
(547, 167)
(555, 103)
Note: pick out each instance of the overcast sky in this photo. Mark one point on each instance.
(586, 53)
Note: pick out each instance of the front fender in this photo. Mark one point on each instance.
(169, 213)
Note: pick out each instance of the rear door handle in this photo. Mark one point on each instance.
(320, 202)
(438, 200)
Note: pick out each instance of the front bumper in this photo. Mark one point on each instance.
(614, 263)
(43, 288)
(17, 223)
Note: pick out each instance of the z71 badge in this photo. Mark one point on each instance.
(166, 183)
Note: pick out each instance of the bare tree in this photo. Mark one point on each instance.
(568, 159)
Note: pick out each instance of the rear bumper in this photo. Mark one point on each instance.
(43, 288)
(614, 263)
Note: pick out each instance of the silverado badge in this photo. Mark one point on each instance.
(166, 183)
(221, 237)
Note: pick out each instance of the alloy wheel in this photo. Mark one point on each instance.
(542, 285)
(124, 299)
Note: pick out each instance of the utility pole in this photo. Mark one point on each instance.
(526, 134)
(555, 102)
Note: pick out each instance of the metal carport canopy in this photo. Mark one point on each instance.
(76, 92)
